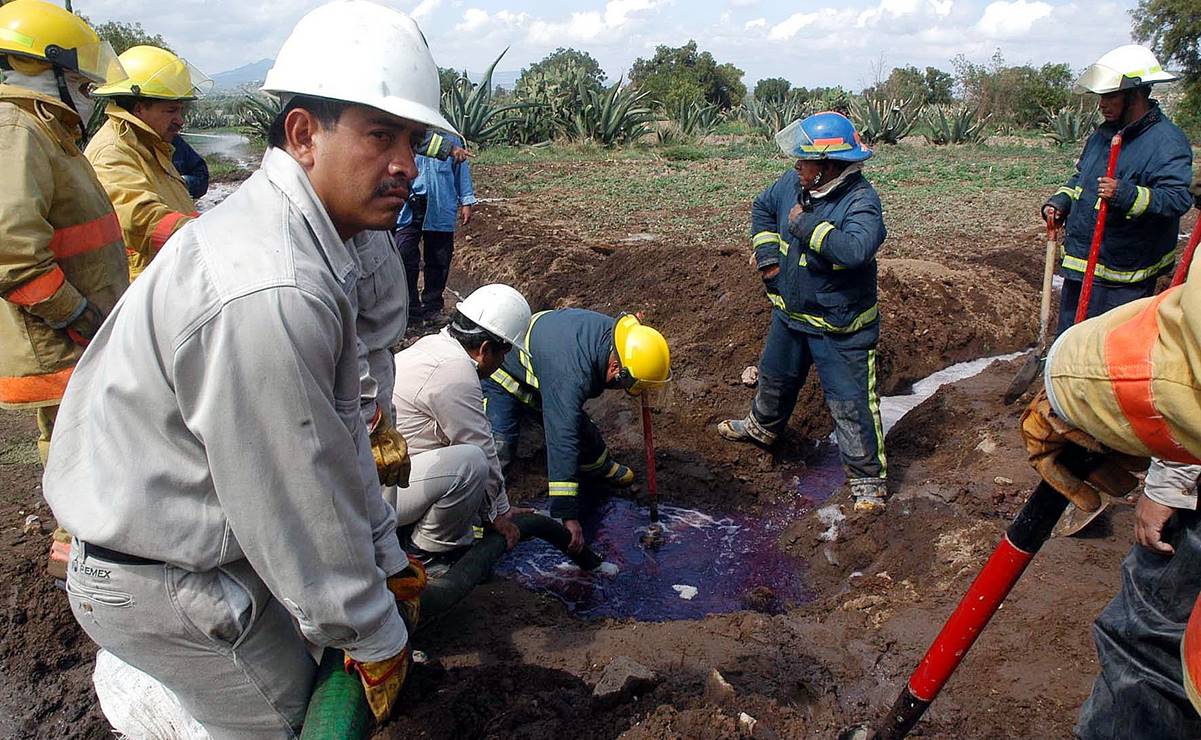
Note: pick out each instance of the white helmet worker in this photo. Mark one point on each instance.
(1124, 68)
(388, 67)
(500, 310)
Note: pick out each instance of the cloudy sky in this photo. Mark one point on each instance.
(817, 43)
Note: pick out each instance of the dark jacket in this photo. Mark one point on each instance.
(566, 364)
(1154, 169)
(191, 166)
(827, 279)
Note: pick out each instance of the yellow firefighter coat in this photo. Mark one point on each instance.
(150, 196)
(59, 242)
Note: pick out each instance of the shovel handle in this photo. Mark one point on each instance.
(1094, 250)
(1186, 257)
(1044, 307)
(649, 439)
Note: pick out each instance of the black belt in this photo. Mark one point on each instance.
(112, 556)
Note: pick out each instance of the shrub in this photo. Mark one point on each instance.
(955, 125)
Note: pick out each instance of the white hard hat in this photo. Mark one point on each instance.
(501, 310)
(360, 52)
(1121, 69)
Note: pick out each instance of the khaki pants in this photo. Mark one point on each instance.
(218, 639)
(46, 417)
(446, 489)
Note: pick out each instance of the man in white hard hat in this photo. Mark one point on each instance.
(1147, 196)
(456, 479)
(231, 374)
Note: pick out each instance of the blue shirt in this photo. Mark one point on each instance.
(446, 185)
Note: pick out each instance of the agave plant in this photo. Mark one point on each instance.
(694, 120)
(254, 112)
(471, 109)
(618, 115)
(1071, 124)
(955, 125)
(883, 120)
(767, 117)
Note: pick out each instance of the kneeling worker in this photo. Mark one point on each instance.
(456, 478)
(569, 356)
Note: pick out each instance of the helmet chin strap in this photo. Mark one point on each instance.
(64, 93)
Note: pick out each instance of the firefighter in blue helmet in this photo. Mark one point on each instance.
(815, 235)
(567, 357)
(1147, 195)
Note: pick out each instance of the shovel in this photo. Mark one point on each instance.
(1034, 359)
(1074, 520)
(653, 539)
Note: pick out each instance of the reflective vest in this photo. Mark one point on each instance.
(151, 199)
(59, 241)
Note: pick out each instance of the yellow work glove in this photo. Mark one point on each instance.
(391, 453)
(382, 682)
(406, 587)
(1046, 436)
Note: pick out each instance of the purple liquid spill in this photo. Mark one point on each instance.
(725, 557)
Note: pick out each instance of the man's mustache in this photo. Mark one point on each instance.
(392, 184)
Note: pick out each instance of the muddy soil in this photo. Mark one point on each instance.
(512, 663)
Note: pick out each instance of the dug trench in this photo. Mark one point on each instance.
(514, 663)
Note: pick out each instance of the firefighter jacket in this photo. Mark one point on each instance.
(150, 196)
(1154, 168)
(59, 243)
(827, 259)
(439, 403)
(566, 364)
(215, 417)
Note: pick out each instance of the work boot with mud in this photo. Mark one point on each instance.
(869, 494)
(616, 474)
(746, 430)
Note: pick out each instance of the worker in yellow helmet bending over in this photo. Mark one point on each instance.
(132, 151)
(567, 357)
(1128, 383)
(62, 260)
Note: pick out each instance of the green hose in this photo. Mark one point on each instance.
(338, 707)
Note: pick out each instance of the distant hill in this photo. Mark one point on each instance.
(253, 74)
(247, 74)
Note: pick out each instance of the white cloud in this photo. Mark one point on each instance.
(1006, 20)
(473, 20)
(823, 19)
(757, 23)
(424, 8)
(743, 3)
(599, 27)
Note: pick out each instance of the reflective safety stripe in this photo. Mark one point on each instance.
(477, 532)
(89, 236)
(858, 323)
(1190, 656)
(765, 237)
(1128, 349)
(164, 230)
(604, 457)
(41, 288)
(1076, 264)
(526, 360)
(1073, 193)
(35, 388)
(873, 405)
(510, 384)
(435, 145)
(819, 235)
(1141, 201)
(563, 487)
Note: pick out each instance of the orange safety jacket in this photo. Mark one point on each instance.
(150, 197)
(1132, 378)
(60, 242)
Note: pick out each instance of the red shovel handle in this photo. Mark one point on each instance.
(1094, 250)
(1186, 258)
(649, 439)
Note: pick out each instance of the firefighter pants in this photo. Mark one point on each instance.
(1104, 297)
(439, 249)
(218, 639)
(1139, 693)
(46, 417)
(506, 413)
(442, 501)
(846, 366)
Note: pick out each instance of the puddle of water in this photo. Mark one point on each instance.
(729, 560)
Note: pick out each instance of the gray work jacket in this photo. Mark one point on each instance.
(439, 403)
(381, 299)
(215, 417)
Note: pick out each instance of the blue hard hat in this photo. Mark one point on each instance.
(825, 135)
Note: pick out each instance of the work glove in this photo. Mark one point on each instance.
(86, 324)
(391, 453)
(1052, 214)
(382, 681)
(406, 587)
(1047, 437)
